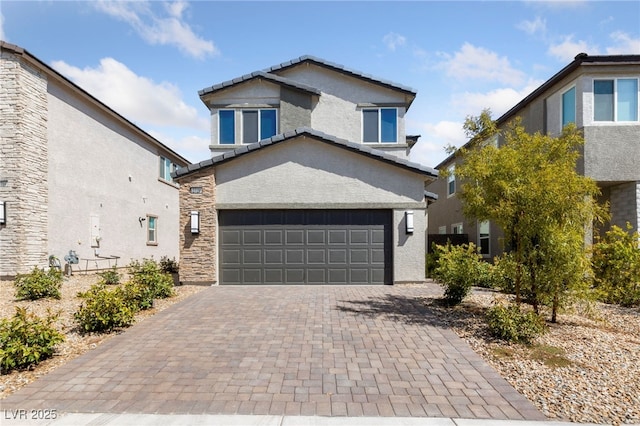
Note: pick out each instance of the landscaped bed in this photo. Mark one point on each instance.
(586, 368)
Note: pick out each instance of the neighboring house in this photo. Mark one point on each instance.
(76, 175)
(600, 95)
(308, 184)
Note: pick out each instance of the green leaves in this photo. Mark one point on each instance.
(26, 340)
(458, 269)
(39, 284)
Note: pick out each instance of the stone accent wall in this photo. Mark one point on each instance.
(198, 252)
(23, 165)
(625, 204)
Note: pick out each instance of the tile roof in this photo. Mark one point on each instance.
(306, 131)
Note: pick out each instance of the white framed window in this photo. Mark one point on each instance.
(569, 106)
(456, 228)
(451, 181)
(258, 124)
(380, 125)
(442, 230)
(152, 230)
(166, 168)
(615, 99)
(484, 237)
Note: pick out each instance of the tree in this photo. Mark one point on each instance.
(529, 186)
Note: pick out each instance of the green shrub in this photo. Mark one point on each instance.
(26, 339)
(104, 309)
(458, 269)
(39, 284)
(616, 267)
(110, 277)
(139, 296)
(148, 274)
(512, 324)
(169, 266)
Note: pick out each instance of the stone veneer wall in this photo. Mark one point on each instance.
(198, 252)
(23, 165)
(625, 204)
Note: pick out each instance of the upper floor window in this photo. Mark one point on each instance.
(257, 124)
(451, 180)
(569, 106)
(166, 168)
(226, 126)
(380, 125)
(615, 99)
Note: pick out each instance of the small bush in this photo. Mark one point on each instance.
(104, 309)
(147, 273)
(110, 277)
(139, 296)
(26, 339)
(458, 269)
(169, 266)
(616, 267)
(39, 284)
(512, 324)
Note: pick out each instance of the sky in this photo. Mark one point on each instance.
(148, 59)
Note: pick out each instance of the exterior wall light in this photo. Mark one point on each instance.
(195, 222)
(3, 213)
(408, 219)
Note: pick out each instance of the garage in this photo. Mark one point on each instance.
(305, 247)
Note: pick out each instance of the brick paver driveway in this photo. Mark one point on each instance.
(284, 350)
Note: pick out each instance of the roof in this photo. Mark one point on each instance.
(306, 131)
(260, 75)
(582, 59)
(271, 75)
(17, 50)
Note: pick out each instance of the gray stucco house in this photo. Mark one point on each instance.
(600, 94)
(308, 183)
(76, 175)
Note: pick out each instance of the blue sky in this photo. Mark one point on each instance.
(148, 59)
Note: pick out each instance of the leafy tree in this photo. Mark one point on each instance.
(529, 186)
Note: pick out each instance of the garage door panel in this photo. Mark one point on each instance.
(305, 246)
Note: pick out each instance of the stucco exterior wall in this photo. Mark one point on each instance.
(23, 173)
(611, 152)
(102, 174)
(408, 249)
(312, 174)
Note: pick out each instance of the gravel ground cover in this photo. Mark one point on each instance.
(585, 369)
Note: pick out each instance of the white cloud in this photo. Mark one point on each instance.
(624, 44)
(393, 40)
(163, 30)
(537, 26)
(431, 147)
(193, 148)
(567, 49)
(138, 98)
(498, 101)
(472, 62)
(2, 26)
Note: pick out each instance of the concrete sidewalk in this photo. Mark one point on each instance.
(231, 420)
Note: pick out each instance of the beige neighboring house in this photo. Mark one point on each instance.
(601, 95)
(308, 183)
(76, 175)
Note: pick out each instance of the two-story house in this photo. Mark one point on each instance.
(308, 182)
(76, 175)
(600, 94)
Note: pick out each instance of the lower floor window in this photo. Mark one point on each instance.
(456, 228)
(483, 237)
(152, 230)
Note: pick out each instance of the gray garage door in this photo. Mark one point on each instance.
(305, 246)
